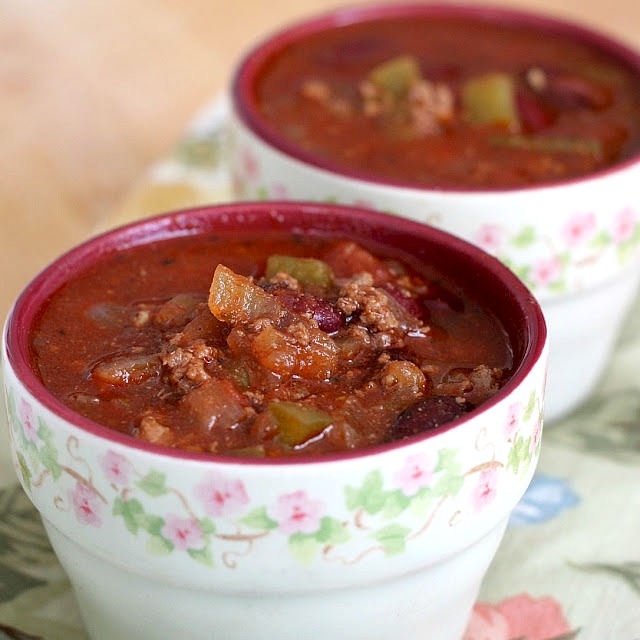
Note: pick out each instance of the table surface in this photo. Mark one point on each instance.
(102, 125)
(91, 93)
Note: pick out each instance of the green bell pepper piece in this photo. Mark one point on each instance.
(307, 271)
(296, 423)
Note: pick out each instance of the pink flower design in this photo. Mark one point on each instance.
(279, 191)
(87, 505)
(624, 225)
(513, 420)
(25, 413)
(116, 467)
(486, 489)
(221, 496)
(520, 616)
(297, 513)
(363, 204)
(184, 533)
(535, 436)
(546, 271)
(416, 473)
(490, 237)
(250, 165)
(579, 228)
(237, 183)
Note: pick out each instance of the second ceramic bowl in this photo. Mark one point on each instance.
(575, 242)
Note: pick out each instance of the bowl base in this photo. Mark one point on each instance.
(429, 604)
(583, 329)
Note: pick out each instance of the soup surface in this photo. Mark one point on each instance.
(268, 346)
(452, 102)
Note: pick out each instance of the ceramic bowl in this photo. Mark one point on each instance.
(575, 243)
(395, 539)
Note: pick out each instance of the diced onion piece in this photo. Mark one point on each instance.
(216, 405)
(403, 383)
(346, 258)
(204, 326)
(297, 423)
(491, 99)
(307, 271)
(108, 315)
(177, 310)
(122, 370)
(396, 75)
(315, 357)
(235, 299)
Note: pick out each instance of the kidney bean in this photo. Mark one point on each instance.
(566, 90)
(534, 115)
(438, 298)
(408, 303)
(427, 414)
(329, 318)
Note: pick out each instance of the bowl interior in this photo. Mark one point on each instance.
(257, 61)
(480, 276)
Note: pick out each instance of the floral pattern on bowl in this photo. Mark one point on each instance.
(218, 523)
(553, 259)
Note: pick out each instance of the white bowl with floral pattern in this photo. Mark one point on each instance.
(575, 243)
(383, 542)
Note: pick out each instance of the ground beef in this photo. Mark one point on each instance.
(190, 364)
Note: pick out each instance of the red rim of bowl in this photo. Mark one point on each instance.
(484, 273)
(244, 101)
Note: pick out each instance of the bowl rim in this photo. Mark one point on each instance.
(244, 104)
(200, 220)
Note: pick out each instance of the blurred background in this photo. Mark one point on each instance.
(94, 92)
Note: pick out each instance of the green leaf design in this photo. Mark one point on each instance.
(422, 502)
(447, 462)
(259, 519)
(331, 531)
(154, 484)
(203, 556)
(448, 485)
(131, 512)
(304, 548)
(395, 503)
(11, 410)
(519, 455)
(25, 471)
(150, 523)
(525, 238)
(207, 526)
(48, 454)
(601, 240)
(627, 249)
(370, 497)
(559, 286)
(565, 259)
(531, 405)
(158, 546)
(393, 538)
